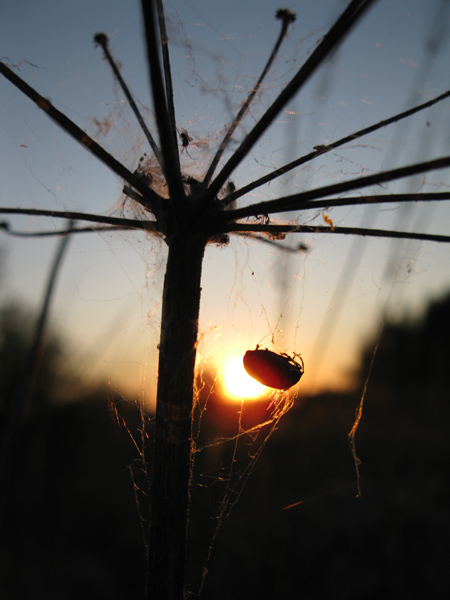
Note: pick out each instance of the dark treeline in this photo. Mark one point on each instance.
(70, 526)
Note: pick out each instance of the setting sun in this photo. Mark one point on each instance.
(238, 384)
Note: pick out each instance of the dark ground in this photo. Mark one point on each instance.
(70, 528)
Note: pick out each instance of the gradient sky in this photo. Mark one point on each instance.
(108, 297)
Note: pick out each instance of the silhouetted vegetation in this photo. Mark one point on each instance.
(71, 527)
(16, 323)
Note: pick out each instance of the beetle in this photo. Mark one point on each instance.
(279, 371)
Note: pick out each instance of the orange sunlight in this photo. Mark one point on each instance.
(237, 384)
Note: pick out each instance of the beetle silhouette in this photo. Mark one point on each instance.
(279, 371)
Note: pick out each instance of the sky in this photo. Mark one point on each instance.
(325, 303)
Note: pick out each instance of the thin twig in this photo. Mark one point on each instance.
(152, 200)
(288, 203)
(323, 149)
(167, 69)
(330, 41)
(286, 17)
(131, 194)
(375, 199)
(300, 249)
(118, 223)
(169, 147)
(102, 40)
(280, 230)
(66, 214)
(39, 234)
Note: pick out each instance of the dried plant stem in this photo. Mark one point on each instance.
(168, 143)
(274, 243)
(250, 229)
(289, 203)
(152, 200)
(284, 229)
(102, 40)
(78, 216)
(167, 69)
(172, 440)
(117, 223)
(288, 18)
(329, 147)
(330, 41)
(372, 199)
(375, 199)
(42, 234)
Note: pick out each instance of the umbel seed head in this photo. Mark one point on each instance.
(101, 39)
(286, 15)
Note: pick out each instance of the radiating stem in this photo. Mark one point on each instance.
(102, 40)
(61, 232)
(285, 229)
(167, 69)
(295, 201)
(79, 216)
(152, 200)
(286, 17)
(364, 200)
(152, 226)
(342, 26)
(168, 143)
(323, 149)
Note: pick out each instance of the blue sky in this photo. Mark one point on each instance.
(108, 297)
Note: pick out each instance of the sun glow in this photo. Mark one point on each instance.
(238, 384)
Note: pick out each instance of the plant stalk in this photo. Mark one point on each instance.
(172, 440)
